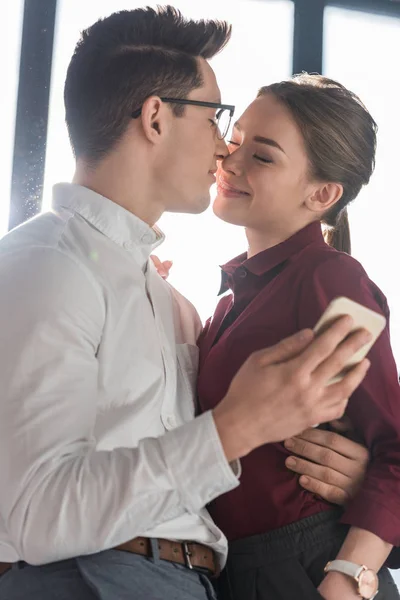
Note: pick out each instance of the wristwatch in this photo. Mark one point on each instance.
(366, 579)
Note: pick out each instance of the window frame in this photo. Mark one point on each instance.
(37, 48)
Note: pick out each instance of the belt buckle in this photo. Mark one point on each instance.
(187, 554)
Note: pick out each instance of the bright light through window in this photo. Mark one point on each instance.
(361, 51)
(259, 53)
(10, 49)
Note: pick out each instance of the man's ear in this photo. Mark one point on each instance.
(324, 197)
(155, 118)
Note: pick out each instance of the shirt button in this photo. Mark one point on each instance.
(242, 272)
(147, 238)
(128, 245)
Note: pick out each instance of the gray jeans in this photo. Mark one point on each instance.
(109, 575)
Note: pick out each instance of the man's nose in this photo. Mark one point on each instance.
(221, 150)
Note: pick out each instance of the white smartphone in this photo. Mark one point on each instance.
(364, 318)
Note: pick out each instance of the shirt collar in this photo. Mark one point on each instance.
(111, 219)
(264, 261)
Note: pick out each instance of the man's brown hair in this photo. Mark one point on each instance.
(125, 58)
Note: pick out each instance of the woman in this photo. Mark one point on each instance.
(298, 155)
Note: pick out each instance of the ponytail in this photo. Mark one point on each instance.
(338, 235)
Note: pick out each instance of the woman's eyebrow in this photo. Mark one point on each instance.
(262, 140)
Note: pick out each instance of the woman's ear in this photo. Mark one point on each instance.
(324, 197)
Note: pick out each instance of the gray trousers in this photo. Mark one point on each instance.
(288, 563)
(109, 575)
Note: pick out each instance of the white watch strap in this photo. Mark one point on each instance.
(346, 567)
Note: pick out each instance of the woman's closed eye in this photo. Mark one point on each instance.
(262, 159)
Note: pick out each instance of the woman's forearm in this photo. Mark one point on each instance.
(362, 548)
(365, 548)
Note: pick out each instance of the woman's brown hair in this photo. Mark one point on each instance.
(340, 139)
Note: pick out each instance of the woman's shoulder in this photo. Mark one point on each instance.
(332, 273)
(324, 259)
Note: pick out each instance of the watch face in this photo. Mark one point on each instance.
(368, 584)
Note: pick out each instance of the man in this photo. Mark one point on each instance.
(102, 465)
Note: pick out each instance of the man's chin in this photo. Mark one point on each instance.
(195, 207)
(199, 205)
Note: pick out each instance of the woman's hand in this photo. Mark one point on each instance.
(332, 466)
(163, 268)
(336, 586)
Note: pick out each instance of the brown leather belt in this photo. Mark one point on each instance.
(190, 554)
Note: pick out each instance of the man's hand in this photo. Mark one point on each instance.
(281, 391)
(334, 467)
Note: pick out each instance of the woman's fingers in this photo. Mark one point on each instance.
(163, 268)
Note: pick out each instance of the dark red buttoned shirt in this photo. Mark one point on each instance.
(274, 294)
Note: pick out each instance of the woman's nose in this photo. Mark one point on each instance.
(232, 164)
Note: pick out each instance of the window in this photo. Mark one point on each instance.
(361, 50)
(260, 52)
(10, 47)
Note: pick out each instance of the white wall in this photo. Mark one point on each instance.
(362, 51)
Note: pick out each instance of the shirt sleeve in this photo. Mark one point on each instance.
(374, 408)
(60, 496)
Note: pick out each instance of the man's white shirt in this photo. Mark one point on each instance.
(98, 364)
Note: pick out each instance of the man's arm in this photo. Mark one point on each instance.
(60, 496)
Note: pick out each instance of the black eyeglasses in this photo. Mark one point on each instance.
(223, 116)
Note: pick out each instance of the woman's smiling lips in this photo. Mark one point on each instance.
(226, 189)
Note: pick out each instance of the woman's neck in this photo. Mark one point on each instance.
(261, 240)
(258, 240)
